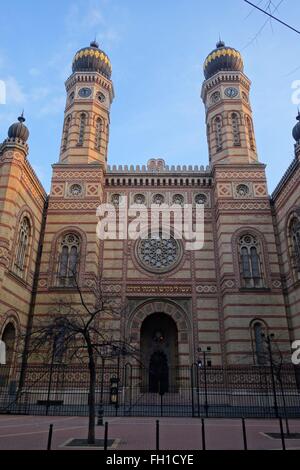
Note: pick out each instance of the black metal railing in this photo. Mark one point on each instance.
(187, 391)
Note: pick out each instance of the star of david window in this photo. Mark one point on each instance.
(75, 190)
(139, 199)
(242, 190)
(158, 255)
(178, 199)
(158, 199)
(201, 199)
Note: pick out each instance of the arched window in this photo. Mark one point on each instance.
(295, 242)
(9, 339)
(249, 126)
(66, 133)
(219, 136)
(259, 344)
(69, 257)
(235, 129)
(250, 260)
(98, 136)
(82, 126)
(22, 246)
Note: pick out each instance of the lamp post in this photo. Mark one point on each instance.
(203, 364)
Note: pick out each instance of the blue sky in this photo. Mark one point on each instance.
(157, 49)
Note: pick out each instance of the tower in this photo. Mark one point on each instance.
(71, 245)
(225, 94)
(247, 264)
(89, 97)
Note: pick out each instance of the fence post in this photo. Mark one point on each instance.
(50, 434)
(244, 434)
(106, 436)
(157, 435)
(203, 435)
(282, 434)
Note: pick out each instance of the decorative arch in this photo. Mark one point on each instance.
(11, 323)
(11, 317)
(171, 309)
(54, 260)
(264, 256)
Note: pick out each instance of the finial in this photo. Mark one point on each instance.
(95, 43)
(21, 118)
(298, 117)
(220, 43)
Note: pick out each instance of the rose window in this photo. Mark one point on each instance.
(158, 255)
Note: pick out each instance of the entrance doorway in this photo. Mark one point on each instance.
(158, 373)
(159, 353)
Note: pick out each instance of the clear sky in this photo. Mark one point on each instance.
(157, 49)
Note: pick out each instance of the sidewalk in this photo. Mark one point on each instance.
(31, 433)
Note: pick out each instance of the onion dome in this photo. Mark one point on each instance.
(18, 130)
(92, 59)
(223, 59)
(296, 130)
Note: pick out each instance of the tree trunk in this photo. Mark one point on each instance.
(92, 390)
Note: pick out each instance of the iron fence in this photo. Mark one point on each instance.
(231, 392)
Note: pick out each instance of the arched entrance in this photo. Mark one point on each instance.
(159, 352)
(9, 338)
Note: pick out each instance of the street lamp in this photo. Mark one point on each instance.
(203, 364)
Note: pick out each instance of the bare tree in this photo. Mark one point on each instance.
(77, 333)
